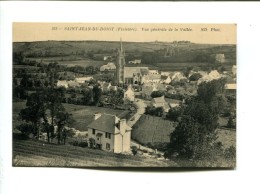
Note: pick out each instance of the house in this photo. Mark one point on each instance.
(177, 76)
(231, 88)
(105, 86)
(166, 79)
(110, 66)
(62, 83)
(109, 133)
(173, 102)
(234, 70)
(130, 94)
(147, 89)
(165, 73)
(220, 58)
(83, 80)
(107, 58)
(209, 77)
(136, 61)
(153, 72)
(153, 78)
(160, 102)
(73, 84)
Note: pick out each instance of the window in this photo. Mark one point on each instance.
(108, 135)
(93, 131)
(108, 146)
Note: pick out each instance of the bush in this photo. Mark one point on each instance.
(83, 144)
(134, 150)
(75, 143)
(26, 128)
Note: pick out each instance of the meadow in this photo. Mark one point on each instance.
(151, 129)
(36, 153)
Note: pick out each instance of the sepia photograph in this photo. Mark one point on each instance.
(124, 95)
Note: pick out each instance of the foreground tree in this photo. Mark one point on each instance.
(62, 119)
(195, 136)
(34, 111)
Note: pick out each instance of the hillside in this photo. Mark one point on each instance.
(73, 47)
(36, 153)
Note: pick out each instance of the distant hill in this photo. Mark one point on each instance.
(158, 55)
(69, 47)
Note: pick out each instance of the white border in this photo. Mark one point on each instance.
(42, 180)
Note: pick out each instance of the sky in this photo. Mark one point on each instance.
(129, 32)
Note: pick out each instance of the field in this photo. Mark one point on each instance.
(37, 153)
(182, 66)
(150, 129)
(69, 62)
(82, 115)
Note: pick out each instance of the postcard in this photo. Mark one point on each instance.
(124, 95)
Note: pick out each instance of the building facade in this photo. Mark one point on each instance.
(109, 133)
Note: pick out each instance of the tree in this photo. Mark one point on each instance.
(34, 111)
(53, 99)
(87, 97)
(195, 77)
(174, 113)
(156, 94)
(195, 135)
(62, 118)
(231, 123)
(97, 92)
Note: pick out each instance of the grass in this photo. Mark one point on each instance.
(84, 115)
(36, 153)
(150, 129)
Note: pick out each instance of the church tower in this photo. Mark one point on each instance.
(120, 64)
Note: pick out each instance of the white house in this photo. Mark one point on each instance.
(62, 83)
(231, 88)
(234, 70)
(109, 66)
(130, 94)
(109, 133)
(107, 58)
(154, 78)
(136, 61)
(160, 102)
(177, 76)
(165, 73)
(220, 58)
(83, 80)
(73, 84)
(153, 72)
(209, 77)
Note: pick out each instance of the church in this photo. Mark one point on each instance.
(128, 75)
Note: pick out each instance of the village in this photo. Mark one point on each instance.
(134, 106)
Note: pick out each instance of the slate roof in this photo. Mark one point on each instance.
(130, 71)
(104, 123)
(159, 100)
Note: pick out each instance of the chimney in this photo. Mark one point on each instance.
(122, 126)
(97, 115)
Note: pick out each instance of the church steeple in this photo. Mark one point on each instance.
(120, 64)
(121, 45)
